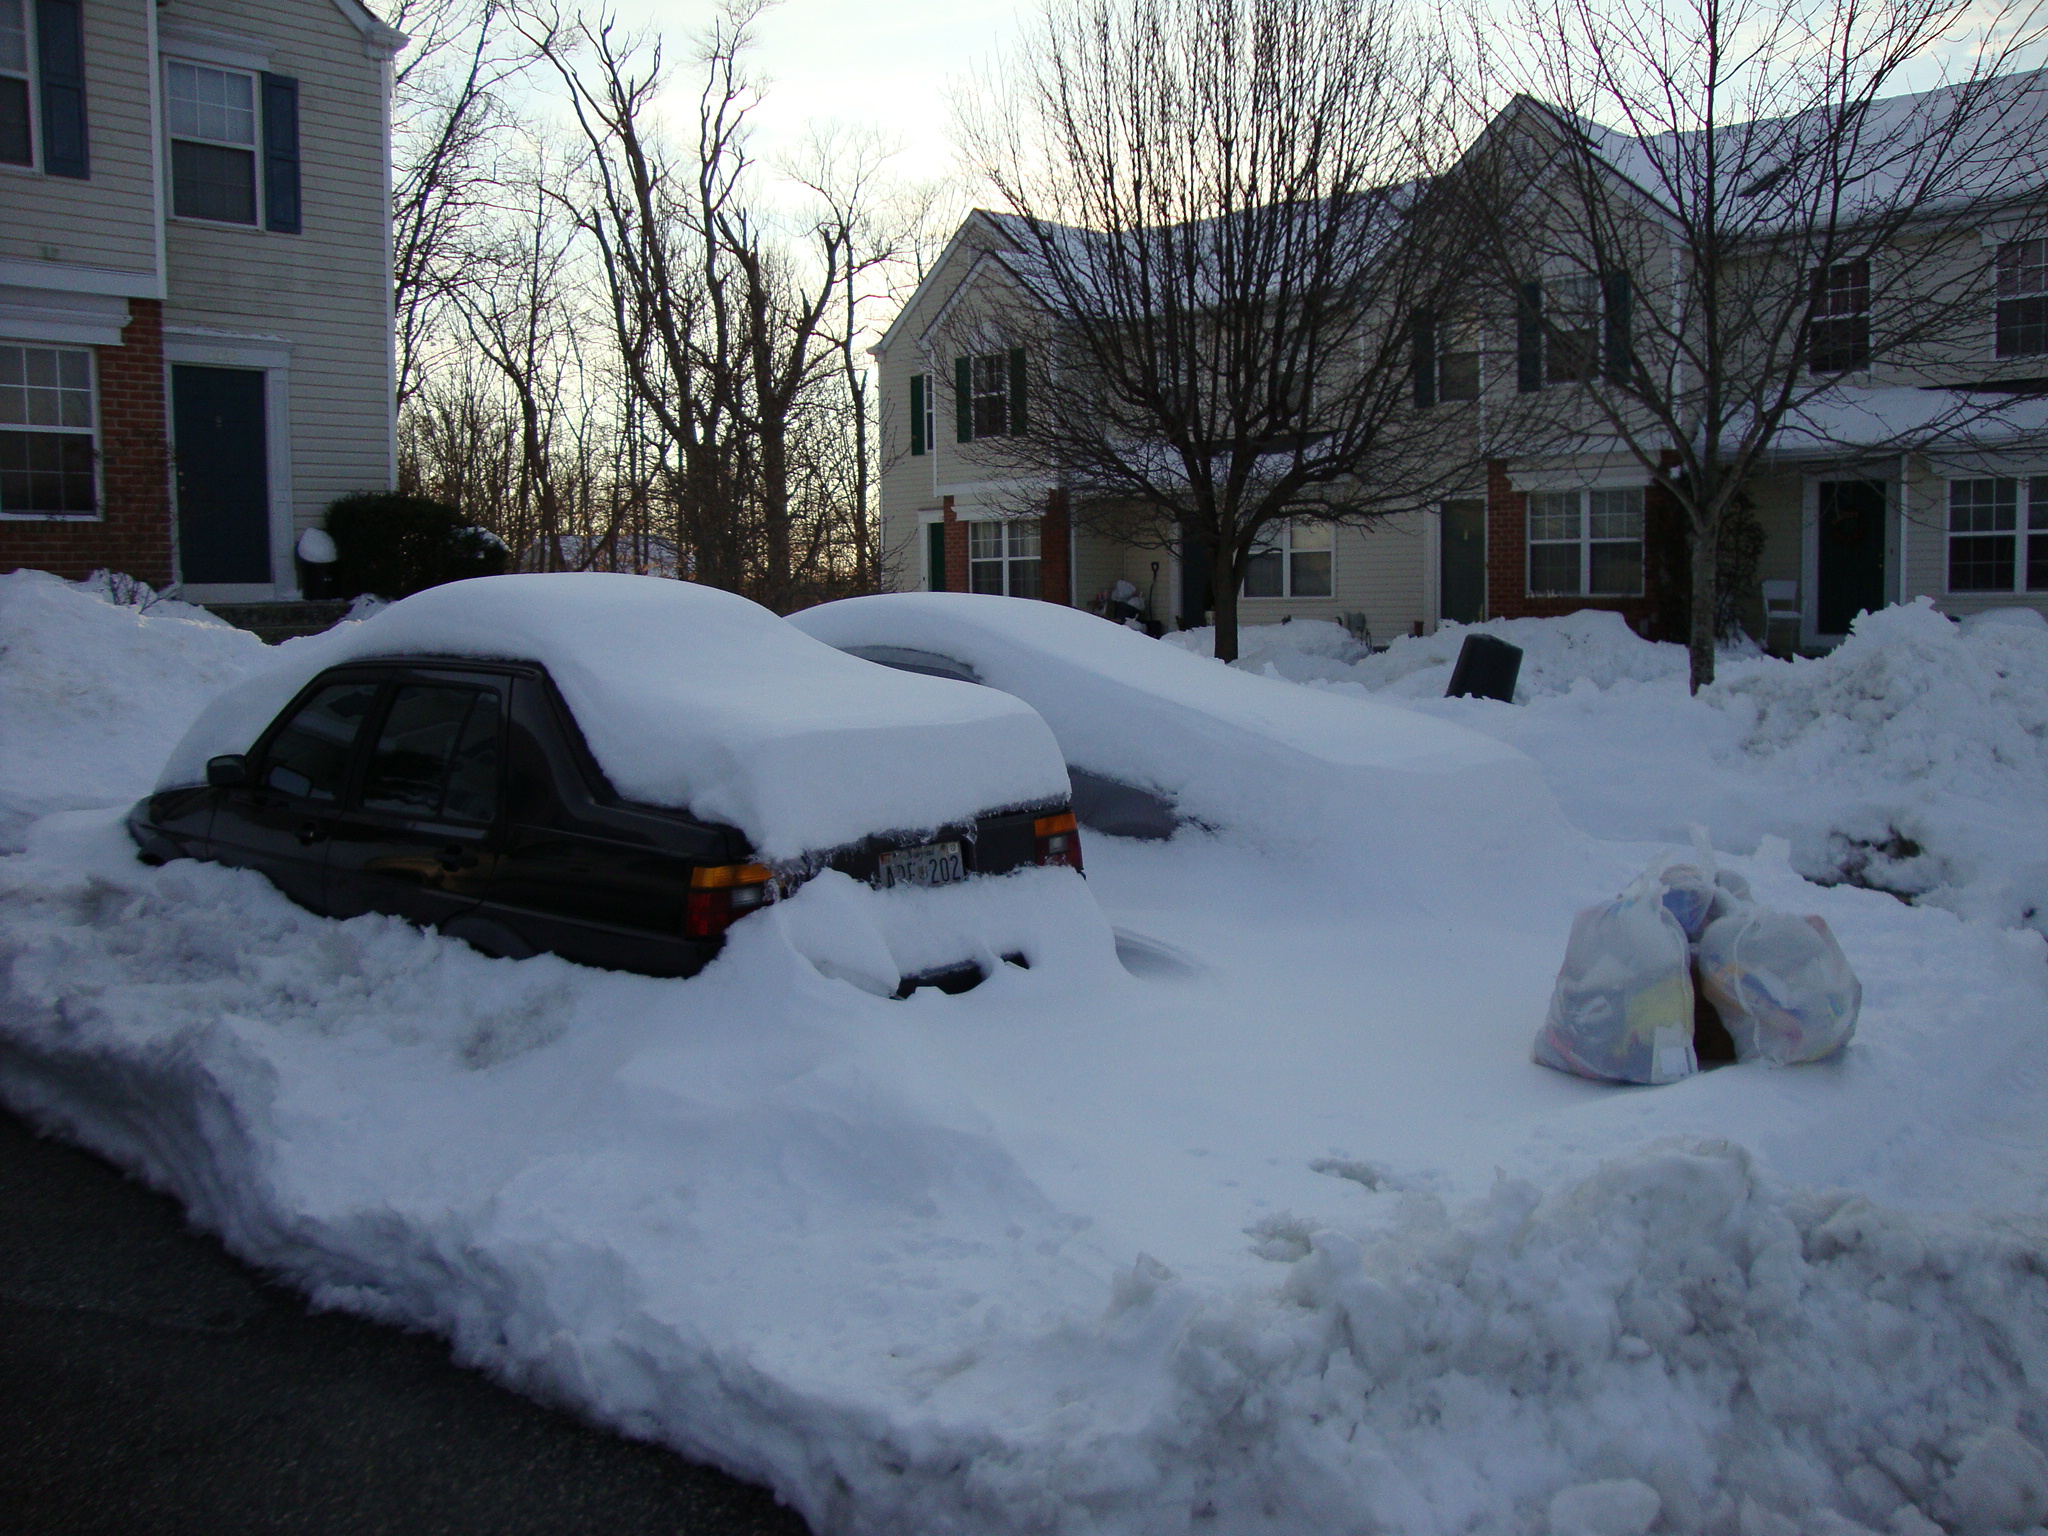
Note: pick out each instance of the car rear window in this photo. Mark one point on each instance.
(437, 755)
(308, 756)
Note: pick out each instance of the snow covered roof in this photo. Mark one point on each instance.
(1904, 419)
(700, 700)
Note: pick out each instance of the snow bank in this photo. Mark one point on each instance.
(94, 691)
(699, 699)
(1374, 788)
(1592, 646)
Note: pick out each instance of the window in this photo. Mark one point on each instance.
(308, 756)
(1292, 561)
(1586, 543)
(1002, 557)
(436, 758)
(17, 136)
(212, 118)
(1458, 361)
(1838, 331)
(992, 395)
(2022, 320)
(46, 432)
(1990, 549)
(1572, 326)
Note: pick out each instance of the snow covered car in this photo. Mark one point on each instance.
(613, 768)
(1156, 737)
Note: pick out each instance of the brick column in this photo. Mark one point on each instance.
(133, 531)
(1054, 571)
(1507, 545)
(956, 549)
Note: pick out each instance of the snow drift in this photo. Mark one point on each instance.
(698, 699)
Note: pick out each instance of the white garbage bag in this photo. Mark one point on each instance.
(1781, 984)
(1622, 1007)
(1688, 895)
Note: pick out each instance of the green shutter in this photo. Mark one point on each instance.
(1017, 416)
(281, 154)
(963, 399)
(1422, 359)
(916, 414)
(1617, 294)
(1529, 338)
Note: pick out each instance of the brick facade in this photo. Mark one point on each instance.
(1055, 576)
(1507, 563)
(132, 534)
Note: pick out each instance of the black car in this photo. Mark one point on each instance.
(461, 795)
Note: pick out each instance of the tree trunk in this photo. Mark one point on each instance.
(1706, 561)
(1223, 584)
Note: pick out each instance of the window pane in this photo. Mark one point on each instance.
(46, 474)
(1554, 515)
(985, 576)
(1982, 506)
(1980, 564)
(308, 756)
(45, 387)
(1024, 534)
(2037, 563)
(14, 36)
(1838, 345)
(2022, 327)
(16, 147)
(1615, 514)
(1616, 568)
(984, 541)
(211, 104)
(992, 395)
(1311, 572)
(208, 182)
(2022, 268)
(1024, 578)
(1262, 575)
(1554, 569)
(1307, 535)
(409, 767)
(1458, 376)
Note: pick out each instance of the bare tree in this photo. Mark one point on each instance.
(1707, 216)
(1220, 235)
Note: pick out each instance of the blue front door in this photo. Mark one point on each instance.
(223, 475)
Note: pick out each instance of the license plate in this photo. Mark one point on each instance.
(929, 864)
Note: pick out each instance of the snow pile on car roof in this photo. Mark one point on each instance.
(1294, 770)
(105, 660)
(701, 700)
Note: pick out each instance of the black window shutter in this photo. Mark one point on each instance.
(1017, 415)
(1529, 338)
(1617, 294)
(1423, 361)
(963, 399)
(281, 154)
(60, 62)
(916, 414)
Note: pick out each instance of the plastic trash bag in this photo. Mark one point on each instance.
(1781, 984)
(1622, 1009)
(1688, 895)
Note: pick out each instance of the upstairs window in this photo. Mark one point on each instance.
(2022, 319)
(212, 120)
(1293, 560)
(1586, 543)
(992, 395)
(17, 129)
(1003, 557)
(988, 395)
(1571, 308)
(1838, 329)
(46, 432)
(1998, 535)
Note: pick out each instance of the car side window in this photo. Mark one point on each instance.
(308, 757)
(437, 755)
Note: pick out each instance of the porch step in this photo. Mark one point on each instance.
(272, 622)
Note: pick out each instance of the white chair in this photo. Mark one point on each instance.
(1781, 605)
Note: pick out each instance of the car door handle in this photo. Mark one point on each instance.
(311, 833)
(455, 856)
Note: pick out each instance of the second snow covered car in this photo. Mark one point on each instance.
(614, 768)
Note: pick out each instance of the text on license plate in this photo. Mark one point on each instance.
(928, 864)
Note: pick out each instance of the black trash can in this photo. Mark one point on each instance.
(1486, 669)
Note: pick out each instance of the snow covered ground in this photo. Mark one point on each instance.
(1272, 1227)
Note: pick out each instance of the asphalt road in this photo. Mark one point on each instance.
(150, 1383)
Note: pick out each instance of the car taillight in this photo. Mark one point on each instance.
(1059, 840)
(720, 894)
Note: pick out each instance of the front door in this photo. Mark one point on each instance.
(1461, 563)
(1848, 553)
(223, 475)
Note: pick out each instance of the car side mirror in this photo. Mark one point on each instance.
(228, 772)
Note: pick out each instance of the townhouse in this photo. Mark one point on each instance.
(195, 312)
